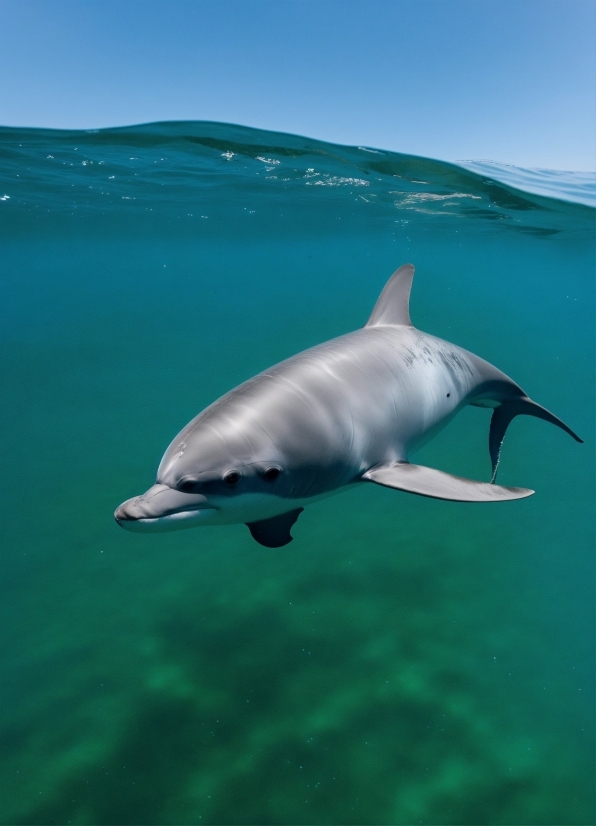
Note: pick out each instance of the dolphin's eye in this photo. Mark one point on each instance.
(232, 478)
(187, 485)
(271, 474)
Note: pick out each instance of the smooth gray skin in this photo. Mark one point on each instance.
(350, 410)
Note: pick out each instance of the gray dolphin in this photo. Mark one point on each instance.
(345, 412)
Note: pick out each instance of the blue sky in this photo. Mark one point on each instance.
(507, 80)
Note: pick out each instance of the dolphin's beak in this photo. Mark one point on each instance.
(161, 508)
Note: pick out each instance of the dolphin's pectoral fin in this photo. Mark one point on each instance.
(274, 532)
(501, 420)
(393, 305)
(426, 481)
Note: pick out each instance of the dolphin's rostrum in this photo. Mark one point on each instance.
(348, 411)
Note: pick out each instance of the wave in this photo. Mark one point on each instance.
(575, 187)
(203, 171)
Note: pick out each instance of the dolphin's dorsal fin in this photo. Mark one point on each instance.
(393, 305)
(426, 481)
(274, 532)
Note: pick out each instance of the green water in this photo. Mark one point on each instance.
(404, 660)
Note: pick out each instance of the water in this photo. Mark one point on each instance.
(405, 660)
(578, 187)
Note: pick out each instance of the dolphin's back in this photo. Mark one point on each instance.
(366, 397)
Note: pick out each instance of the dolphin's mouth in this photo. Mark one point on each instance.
(163, 509)
(171, 522)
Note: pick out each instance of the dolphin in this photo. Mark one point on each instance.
(346, 412)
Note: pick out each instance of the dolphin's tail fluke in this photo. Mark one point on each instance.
(507, 411)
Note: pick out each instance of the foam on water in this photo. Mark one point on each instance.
(405, 660)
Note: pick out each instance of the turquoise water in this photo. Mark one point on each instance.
(404, 660)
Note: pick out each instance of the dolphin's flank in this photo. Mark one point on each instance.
(348, 411)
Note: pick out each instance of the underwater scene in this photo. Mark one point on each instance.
(405, 660)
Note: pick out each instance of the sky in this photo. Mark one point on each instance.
(512, 81)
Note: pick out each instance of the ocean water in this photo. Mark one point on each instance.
(404, 660)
